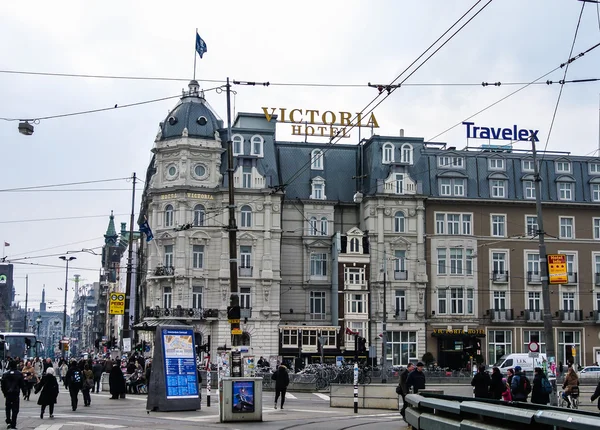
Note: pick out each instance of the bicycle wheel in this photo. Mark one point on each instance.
(575, 403)
(321, 383)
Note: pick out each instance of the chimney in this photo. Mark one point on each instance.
(401, 132)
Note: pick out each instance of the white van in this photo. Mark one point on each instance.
(526, 362)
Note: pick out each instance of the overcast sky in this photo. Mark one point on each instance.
(325, 42)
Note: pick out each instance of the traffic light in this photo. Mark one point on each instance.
(233, 312)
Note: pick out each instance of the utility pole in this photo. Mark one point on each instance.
(384, 343)
(26, 298)
(543, 261)
(234, 300)
(126, 316)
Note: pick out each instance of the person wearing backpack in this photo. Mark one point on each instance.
(540, 392)
(520, 386)
(74, 381)
(12, 384)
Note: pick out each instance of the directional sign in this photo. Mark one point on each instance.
(557, 269)
(116, 304)
(234, 321)
(236, 331)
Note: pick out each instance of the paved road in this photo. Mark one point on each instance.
(302, 411)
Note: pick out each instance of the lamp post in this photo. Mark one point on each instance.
(38, 321)
(64, 327)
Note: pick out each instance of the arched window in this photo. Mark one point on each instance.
(324, 225)
(312, 226)
(238, 144)
(169, 216)
(199, 213)
(354, 245)
(399, 222)
(316, 159)
(388, 153)
(407, 153)
(242, 339)
(257, 145)
(246, 216)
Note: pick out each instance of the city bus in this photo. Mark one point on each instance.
(13, 344)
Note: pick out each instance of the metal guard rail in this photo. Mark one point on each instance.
(429, 411)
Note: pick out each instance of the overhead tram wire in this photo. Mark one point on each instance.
(34, 187)
(363, 113)
(570, 60)
(562, 86)
(57, 219)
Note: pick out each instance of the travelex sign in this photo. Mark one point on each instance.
(305, 122)
(509, 133)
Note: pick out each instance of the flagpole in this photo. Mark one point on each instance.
(195, 37)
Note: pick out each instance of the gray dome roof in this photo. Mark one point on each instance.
(192, 112)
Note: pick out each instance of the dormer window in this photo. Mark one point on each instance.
(316, 159)
(527, 166)
(562, 167)
(354, 245)
(450, 162)
(407, 153)
(388, 153)
(399, 183)
(257, 145)
(238, 144)
(594, 168)
(318, 188)
(496, 164)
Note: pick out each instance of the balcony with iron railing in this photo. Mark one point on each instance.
(534, 316)
(500, 276)
(534, 277)
(245, 313)
(500, 315)
(571, 316)
(571, 277)
(245, 272)
(401, 315)
(401, 275)
(177, 312)
(164, 271)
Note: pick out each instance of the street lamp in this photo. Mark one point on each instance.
(64, 327)
(38, 321)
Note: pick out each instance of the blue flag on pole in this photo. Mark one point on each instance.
(200, 45)
(145, 228)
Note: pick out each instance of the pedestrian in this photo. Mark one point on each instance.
(481, 383)
(63, 369)
(416, 379)
(596, 395)
(510, 373)
(520, 386)
(403, 388)
(98, 368)
(39, 368)
(282, 380)
(148, 372)
(30, 379)
(496, 387)
(47, 364)
(116, 381)
(541, 389)
(560, 368)
(74, 382)
(87, 385)
(506, 394)
(49, 392)
(12, 384)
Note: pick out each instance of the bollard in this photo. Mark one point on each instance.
(208, 382)
(355, 387)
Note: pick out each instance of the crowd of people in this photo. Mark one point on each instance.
(44, 377)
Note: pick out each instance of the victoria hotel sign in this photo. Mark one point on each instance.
(311, 122)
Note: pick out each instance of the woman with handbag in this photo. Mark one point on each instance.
(49, 392)
(88, 384)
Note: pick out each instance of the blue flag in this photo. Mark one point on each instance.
(200, 45)
(145, 228)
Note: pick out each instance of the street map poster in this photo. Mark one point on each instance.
(180, 365)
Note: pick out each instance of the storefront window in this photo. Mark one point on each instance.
(569, 342)
(534, 336)
(403, 347)
(499, 344)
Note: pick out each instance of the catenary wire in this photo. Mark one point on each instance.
(34, 187)
(57, 219)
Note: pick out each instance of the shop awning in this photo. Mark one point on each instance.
(151, 324)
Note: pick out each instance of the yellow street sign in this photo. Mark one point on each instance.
(116, 304)
(236, 331)
(557, 269)
(234, 321)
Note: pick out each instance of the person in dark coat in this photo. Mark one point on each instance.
(74, 382)
(596, 395)
(49, 392)
(416, 379)
(282, 380)
(497, 387)
(98, 369)
(538, 395)
(403, 377)
(116, 381)
(481, 383)
(12, 384)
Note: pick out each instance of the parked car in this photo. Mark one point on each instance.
(590, 372)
